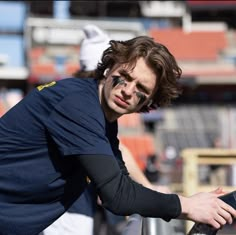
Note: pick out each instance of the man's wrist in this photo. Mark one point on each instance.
(184, 202)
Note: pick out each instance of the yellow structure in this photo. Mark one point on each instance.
(192, 159)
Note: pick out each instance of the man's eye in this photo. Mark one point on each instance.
(125, 76)
(142, 90)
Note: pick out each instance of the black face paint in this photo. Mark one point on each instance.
(117, 80)
(142, 97)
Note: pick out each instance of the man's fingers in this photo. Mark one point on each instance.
(224, 217)
(226, 212)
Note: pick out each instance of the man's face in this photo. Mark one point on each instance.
(127, 91)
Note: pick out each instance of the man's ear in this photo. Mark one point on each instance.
(105, 72)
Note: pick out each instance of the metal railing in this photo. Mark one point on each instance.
(137, 225)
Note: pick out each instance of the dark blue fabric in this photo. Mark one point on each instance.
(39, 177)
(86, 204)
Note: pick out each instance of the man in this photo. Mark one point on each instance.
(79, 218)
(65, 132)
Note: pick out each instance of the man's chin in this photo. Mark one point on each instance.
(120, 110)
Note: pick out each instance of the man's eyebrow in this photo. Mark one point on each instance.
(146, 89)
(124, 73)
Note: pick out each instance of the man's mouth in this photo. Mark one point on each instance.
(121, 102)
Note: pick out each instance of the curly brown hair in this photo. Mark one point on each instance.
(157, 57)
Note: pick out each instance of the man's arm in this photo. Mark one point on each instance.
(123, 196)
(136, 173)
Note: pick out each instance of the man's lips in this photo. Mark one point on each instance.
(121, 102)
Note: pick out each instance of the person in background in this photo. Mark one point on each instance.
(63, 135)
(151, 171)
(218, 173)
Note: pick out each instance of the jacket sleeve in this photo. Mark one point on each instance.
(122, 196)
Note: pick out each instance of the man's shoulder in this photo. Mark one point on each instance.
(79, 83)
(78, 80)
(84, 91)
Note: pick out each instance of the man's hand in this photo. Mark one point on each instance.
(207, 208)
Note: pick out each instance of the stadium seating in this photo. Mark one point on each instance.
(71, 68)
(198, 45)
(141, 146)
(43, 69)
(190, 126)
(130, 123)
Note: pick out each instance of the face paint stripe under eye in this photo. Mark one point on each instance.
(142, 97)
(117, 80)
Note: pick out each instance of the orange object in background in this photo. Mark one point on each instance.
(71, 68)
(198, 45)
(141, 146)
(43, 69)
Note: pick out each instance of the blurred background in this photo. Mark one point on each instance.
(40, 42)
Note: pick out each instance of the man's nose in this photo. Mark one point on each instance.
(129, 88)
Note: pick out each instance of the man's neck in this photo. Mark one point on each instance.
(110, 115)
